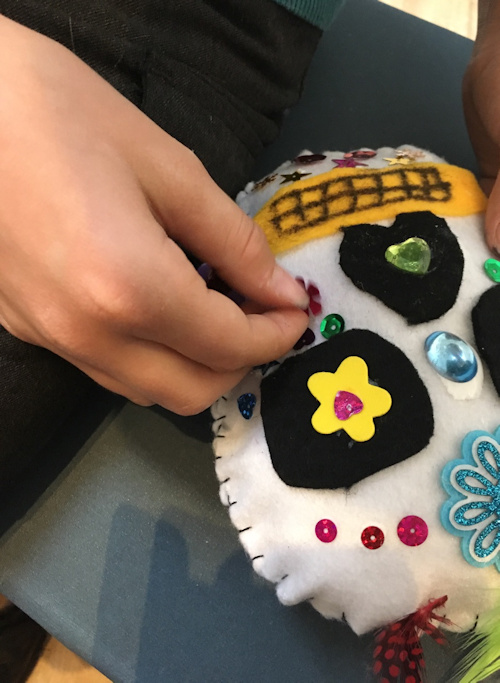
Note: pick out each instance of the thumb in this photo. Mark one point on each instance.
(199, 215)
(493, 216)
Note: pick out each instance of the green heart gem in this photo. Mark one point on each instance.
(412, 256)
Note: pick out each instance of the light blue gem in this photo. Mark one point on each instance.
(451, 357)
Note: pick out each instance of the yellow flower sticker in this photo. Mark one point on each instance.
(347, 400)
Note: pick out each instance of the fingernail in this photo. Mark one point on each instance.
(288, 288)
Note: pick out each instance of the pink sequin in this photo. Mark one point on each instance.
(412, 530)
(372, 537)
(348, 163)
(326, 530)
(346, 405)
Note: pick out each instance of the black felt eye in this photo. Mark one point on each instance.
(418, 298)
(486, 324)
(303, 457)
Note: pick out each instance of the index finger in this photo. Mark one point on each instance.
(204, 325)
(198, 214)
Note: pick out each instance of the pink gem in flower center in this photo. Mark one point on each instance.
(346, 405)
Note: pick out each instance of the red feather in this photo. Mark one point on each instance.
(398, 656)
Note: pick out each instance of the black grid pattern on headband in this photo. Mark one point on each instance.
(317, 204)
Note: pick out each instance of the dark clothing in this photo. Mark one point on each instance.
(215, 74)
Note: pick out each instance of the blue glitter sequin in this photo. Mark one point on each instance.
(473, 510)
(246, 404)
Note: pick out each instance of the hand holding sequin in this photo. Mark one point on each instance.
(347, 400)
(116, 295)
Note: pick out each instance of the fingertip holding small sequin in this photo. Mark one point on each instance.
(412, 530)
(314, 302)
(289, 288)
(326, 530)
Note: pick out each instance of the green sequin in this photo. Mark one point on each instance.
(412, 256)
(492, 268)
(331, 325)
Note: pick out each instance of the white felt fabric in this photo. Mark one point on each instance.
(277, 522)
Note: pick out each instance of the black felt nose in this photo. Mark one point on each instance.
(303, 457)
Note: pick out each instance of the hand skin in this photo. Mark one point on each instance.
(481, 99)
(94, 200)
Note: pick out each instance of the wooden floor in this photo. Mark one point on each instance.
(59, 665)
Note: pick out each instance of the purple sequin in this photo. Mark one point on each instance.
(306, 340)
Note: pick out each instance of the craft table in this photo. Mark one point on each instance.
(117, 542)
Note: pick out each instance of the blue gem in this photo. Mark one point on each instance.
(246, 404)
(451, 357)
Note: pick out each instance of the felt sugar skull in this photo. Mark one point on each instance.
(362, 470)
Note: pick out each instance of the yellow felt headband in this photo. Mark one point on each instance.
(323, 204)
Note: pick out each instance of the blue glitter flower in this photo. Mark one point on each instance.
(473, 510)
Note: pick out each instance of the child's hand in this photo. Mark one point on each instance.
(481, 97)
(93, 200)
